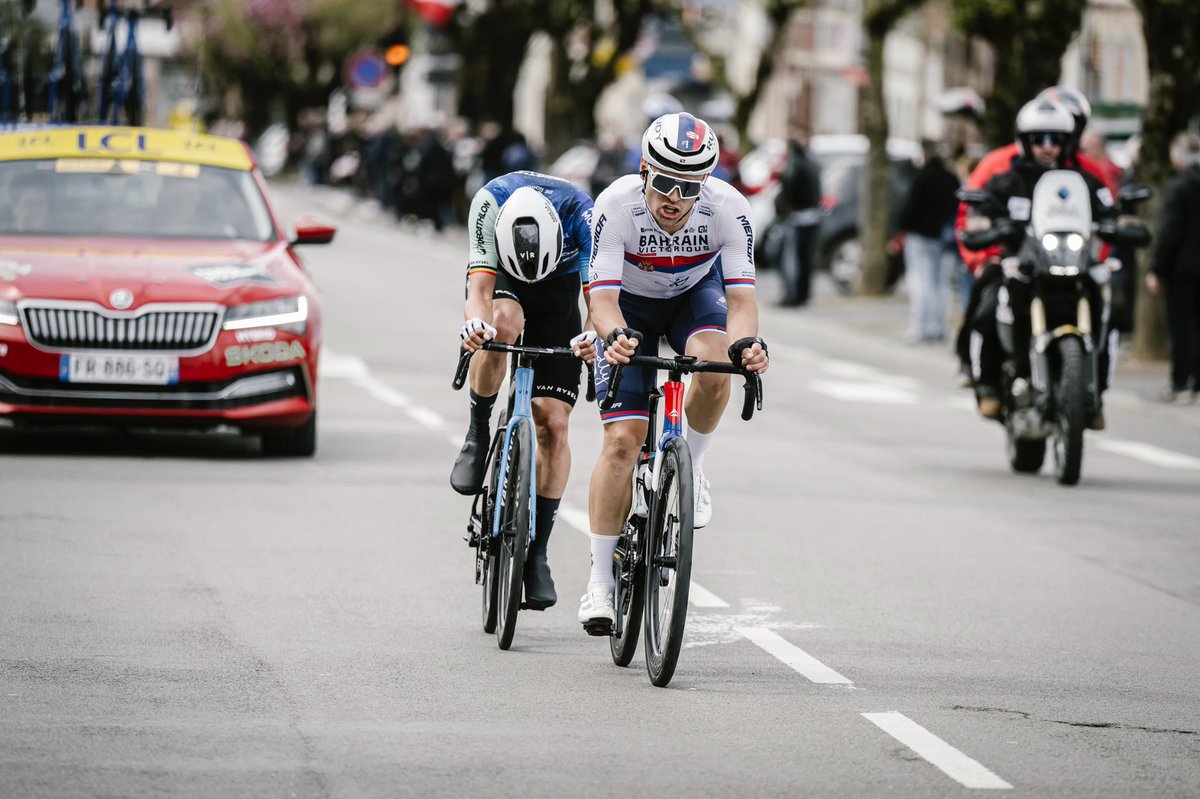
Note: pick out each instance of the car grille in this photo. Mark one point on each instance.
(73, 327)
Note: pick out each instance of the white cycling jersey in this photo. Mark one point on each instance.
(630, 252)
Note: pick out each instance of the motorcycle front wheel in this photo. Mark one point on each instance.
(1070, 411)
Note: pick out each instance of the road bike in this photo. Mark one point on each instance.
(653, 560)
(502, 522)
(122, 85)
(66, 94)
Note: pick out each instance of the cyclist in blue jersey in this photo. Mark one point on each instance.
(530, 245)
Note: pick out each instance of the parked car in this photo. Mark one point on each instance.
(146, 281)
(841, 158)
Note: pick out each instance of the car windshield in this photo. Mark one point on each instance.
(131, 198)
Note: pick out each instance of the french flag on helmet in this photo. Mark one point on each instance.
(680, 143)
(691, 133)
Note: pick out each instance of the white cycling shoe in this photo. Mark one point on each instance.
(596, 611)
(702, 512)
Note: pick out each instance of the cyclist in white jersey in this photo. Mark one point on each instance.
(673, 256)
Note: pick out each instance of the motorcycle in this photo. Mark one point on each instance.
(1056, 267)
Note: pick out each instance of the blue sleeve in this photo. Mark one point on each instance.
(581, 222)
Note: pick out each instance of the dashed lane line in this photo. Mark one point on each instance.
(793, 656)
(956, 765)
(1147, 453)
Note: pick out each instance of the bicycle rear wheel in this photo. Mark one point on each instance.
(668, 562)
(487, 550)
(515, 521)
(630, 593)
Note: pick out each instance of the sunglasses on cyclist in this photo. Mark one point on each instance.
(1047, 139)
(665, 184)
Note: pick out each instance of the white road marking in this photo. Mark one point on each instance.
(933, 749)
(701, 597)
(1148, 453)
(880, 393)
(793, 656)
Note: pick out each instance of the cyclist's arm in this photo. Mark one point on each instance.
(607, 265)
(482, 257)
(742, 322)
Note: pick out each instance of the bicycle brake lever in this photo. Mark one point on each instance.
(753, 398)
(591, 382)
(614, 383)
(460, 373)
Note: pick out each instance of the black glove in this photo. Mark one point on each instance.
(627, 332)
(735, 349)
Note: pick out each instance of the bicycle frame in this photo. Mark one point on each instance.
(66, 69)
(520, 406)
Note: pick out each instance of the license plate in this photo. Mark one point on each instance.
(103, 367)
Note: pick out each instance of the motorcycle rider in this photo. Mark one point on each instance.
(530, 245)
(985, 264)
(1044, 131)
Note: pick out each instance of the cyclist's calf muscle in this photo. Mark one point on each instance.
(609, 494)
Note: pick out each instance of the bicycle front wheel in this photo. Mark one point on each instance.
(487, 551)
(513, 507)
(668, 562)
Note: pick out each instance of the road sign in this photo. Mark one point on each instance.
(366, 70)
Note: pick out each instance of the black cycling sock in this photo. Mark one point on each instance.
(481, 415)
(547, 512)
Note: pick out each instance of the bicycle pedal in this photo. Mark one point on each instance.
(598, 628)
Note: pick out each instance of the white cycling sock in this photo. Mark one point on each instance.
(603, 547)
(698, 445)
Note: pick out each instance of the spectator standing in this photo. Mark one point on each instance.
(798, 205)
(927, 215)
(1175, 270)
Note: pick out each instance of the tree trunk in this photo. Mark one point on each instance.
(873, 213)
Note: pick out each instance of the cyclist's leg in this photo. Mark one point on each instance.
(487, 373)
(699, 329)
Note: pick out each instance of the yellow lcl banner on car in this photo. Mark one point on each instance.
(148, 144)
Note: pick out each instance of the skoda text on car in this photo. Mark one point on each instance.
(144, 279)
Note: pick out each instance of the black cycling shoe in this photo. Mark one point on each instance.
(467, 475)
(539, 585)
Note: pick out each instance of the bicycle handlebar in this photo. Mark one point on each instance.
(464, 362)
(687, 364)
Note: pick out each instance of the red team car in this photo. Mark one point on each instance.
(145, 279)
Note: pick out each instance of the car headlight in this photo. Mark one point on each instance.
(289, 314)
(8, 313)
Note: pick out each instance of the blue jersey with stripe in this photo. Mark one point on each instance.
(574, 208)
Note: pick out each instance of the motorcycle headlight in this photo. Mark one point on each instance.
(289, 314)
(8, 313)
(1074, 242)
(1050, 242)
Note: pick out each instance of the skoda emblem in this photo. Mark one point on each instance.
(121, 299)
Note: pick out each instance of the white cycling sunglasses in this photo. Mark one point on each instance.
(665, 184)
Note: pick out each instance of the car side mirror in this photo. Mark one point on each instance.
(313, 230)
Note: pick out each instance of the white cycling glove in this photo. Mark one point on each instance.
(586, 337)
(476, 325)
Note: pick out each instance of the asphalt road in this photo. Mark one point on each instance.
(882, 607)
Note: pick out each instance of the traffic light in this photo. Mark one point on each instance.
(396, 55)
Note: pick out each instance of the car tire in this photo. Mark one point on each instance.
(291, 442)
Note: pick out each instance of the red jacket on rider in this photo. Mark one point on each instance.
(995, 163)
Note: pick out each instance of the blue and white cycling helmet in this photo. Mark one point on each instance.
(682, 144)
(529, 236)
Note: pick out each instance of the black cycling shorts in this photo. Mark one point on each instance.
(552, 319)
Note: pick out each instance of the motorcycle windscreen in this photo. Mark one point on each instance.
(1062, 217)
